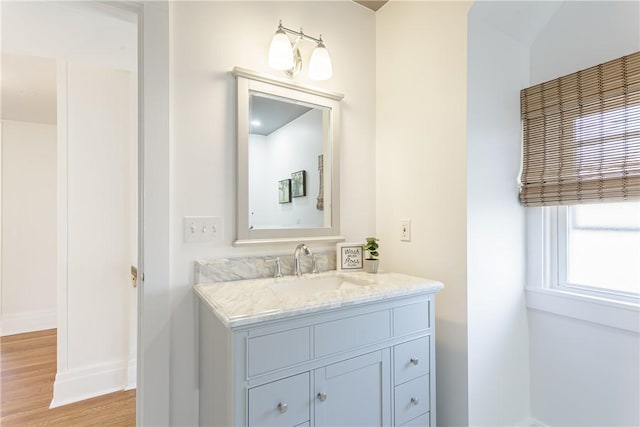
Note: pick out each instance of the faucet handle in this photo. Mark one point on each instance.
(278, 272)
(314, 264)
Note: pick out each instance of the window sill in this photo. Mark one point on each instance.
(601, 311)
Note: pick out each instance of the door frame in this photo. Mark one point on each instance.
(154, 255)
(154, 210)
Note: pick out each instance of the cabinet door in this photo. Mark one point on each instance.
(355, 392)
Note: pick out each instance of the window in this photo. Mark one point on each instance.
(598, 250)
(599, 244)
(583, 263)
(581, 163)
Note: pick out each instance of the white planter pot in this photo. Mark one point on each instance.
(371, 265)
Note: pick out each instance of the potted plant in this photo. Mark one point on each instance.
(371, 261)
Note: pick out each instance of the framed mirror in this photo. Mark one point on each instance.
(288, 180)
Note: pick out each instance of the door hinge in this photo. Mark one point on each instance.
(134, 276)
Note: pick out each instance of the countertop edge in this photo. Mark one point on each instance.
(431, 287)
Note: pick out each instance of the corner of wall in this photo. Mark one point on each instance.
(498, 330)
(80, 384)
(421, 141)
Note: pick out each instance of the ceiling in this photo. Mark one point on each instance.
(372, 4)
(272, 114)
(522, 20)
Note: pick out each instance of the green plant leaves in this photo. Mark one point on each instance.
(371, 246)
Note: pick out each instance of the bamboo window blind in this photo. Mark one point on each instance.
(581, 136)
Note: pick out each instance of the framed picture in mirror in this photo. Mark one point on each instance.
(298, 184)
(284, 191)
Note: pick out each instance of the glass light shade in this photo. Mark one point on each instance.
(280, 52)
(320, 67)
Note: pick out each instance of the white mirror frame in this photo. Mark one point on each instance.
(248, 81)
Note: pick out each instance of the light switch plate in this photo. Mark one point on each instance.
(405, 230)
(198, 229)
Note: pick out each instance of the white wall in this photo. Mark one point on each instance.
(498, 67)
(583, 34)
(94, 295)
(258, 185)
(28, 87)
(582, 373)
(209, 39)
(28, 227)
(421, 79)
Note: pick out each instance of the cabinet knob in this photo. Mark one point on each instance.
(282, 407)
(414, 360)
(322, 396)
(415, 401)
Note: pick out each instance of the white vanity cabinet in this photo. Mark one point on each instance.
(367, 364)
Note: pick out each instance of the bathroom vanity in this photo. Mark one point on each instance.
(322, 349)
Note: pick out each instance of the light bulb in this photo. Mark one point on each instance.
(320, 67)
(280, 51)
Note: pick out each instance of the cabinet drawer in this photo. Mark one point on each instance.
(411, 318)
(270, 352)
(412, 399)
(423, 420)
(352, 332)
(411, 360)
(280, 403)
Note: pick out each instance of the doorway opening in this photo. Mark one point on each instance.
(70, 189)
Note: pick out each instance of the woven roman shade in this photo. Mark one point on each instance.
(581, 136)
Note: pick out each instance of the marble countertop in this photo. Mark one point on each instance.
(247, 302)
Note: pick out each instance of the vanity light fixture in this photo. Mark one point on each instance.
(286, 57)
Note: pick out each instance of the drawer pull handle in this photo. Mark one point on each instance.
(415, 401)
(322, 396)
(282, 407)
(414, 360)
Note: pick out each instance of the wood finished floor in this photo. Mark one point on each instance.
(28, 368)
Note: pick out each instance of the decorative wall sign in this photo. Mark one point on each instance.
(284, 191)
(298, 184)
(349, 256)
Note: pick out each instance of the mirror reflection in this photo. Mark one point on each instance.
(288, 180)
(288, 154)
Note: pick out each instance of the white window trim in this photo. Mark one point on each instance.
(543, 273)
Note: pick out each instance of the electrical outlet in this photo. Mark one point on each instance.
(405, 230)
(199, 229)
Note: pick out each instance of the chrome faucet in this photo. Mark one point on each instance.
(296, 258)
(278, 271)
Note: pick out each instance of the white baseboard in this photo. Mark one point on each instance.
(85, 383)
(132, 375)
(30, 321)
